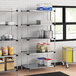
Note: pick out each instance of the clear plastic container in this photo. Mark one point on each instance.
(47, 62)
(4, 51)
(41, 60)
(0, 52)
(10, 50)
(42, 48)
(48, 49)
(38, 47)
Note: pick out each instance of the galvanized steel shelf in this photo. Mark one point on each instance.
(9, 40)
(34, 11)
(34, 52)
(35, 66)
(9, 71)
(28, 38)
(9, 56)
(11, 25)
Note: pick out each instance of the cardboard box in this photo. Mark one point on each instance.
(9, 66)
(9, 59)
(2, 64)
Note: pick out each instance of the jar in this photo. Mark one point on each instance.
(42, 48)
(41, 60)
(0, 52)
(45, 45)
(10, 37)
(48, 48)
(38, 47)
(10, 50)
(47, 62)
(4, 51)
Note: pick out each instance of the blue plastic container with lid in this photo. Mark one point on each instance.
(44, 8)
(41, 60)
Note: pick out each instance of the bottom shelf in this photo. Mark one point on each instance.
(35, 66)
(8, 71)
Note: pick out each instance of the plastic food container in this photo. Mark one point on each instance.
(11, 23)
(42, 48)
(44, 6)
(4, 51)
(41, 60)
(48, 34)
(10, 37)
(48, 48)
(47, 62)
(2, 65)
(10, 50)
(38, 47)
(9, 59)
(0, 52)
(9, 66)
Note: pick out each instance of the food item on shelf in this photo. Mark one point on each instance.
(38, 47)
(9, 59)
(2, 65)
(47, 62)
(0, 52)
(42, 48)
(41, 60)
(44, 7)
(10, 50)
(4, 51)
(11, 23)
(10, 37)
(6, 36)
(3, 37)
(41, 33)
(48, 48)
(48, 34)
(9, 63)
(45, 45)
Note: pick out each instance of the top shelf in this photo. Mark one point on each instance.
(8, 10)
(34, 11)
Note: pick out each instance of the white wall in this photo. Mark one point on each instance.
(30, 4)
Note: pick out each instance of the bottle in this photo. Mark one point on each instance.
(45, 45)
(0, 52)
(38, 47)
(42, 48)
(4, 51)
(48, 49)
(10, 50)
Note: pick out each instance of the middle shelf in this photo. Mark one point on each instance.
(34, 52)
(28, 38)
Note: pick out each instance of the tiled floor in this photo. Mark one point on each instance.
(71, 71)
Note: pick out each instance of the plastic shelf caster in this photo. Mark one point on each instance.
(67, 66)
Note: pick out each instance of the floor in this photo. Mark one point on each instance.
(71, 71)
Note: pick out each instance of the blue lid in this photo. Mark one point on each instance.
(41, 58)
(44, 8)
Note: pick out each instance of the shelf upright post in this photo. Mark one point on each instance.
(17, 24)
(28, 70)
(11, 26)
(21, 40)
(17, 44)
(55, 34)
